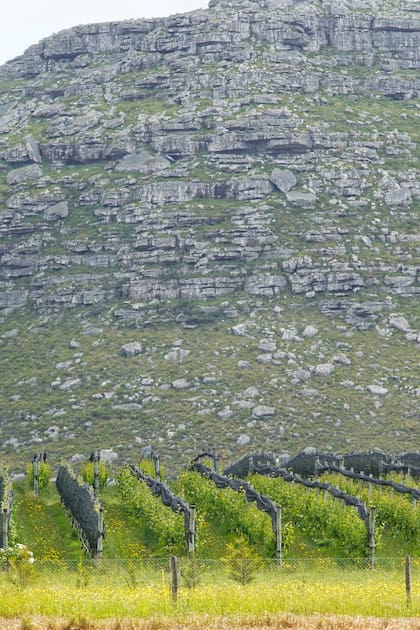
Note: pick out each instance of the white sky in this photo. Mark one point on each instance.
(25, 22)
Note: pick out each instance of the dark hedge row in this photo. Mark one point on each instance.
(79, 499)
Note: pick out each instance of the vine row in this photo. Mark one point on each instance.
(390, 483)
(177, 505)
(263, 503)
(290, 477)
(6, 501)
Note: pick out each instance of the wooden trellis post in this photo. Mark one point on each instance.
(279, 541)
(36, 476)
(371, 536)
(216, 459)
(192, 524)
(5, 524)
(96, 458)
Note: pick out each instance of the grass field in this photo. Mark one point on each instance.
(143, 591)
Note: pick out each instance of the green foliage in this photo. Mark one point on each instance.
(83, 573)
(241, 560)
(396, 515)
(148, 467)
(20, 562)
(229, 515)
(88, 474)
(6, 499)
(42, 525)
(327, 525)
(161, 529)
(192, 570)
(44, 477)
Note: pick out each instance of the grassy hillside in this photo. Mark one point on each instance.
(68, 380)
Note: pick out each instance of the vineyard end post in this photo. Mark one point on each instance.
(100, 542)
(35, 470)
(216, 460)
(96, 457)
(371, 536)
(192, 529)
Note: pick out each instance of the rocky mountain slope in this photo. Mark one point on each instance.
(209, 231)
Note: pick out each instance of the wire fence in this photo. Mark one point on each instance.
(106, 589)
(194, 571)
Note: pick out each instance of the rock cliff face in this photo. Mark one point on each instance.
(257, 149)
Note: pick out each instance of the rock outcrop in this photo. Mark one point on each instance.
(203, 152)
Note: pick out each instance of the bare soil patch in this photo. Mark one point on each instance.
(202, 622)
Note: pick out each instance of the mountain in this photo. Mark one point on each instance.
(209, 232)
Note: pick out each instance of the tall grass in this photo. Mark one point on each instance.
(118, 594)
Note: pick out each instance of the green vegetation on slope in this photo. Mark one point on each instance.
(43, 526)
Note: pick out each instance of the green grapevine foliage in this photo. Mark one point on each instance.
(317, 517)
(88, 474)
(161, 529)
(230, 515)
(396, 514)
(44, 477)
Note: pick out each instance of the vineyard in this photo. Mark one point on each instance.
(98, 525)
(273, 512)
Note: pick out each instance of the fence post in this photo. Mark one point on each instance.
(408, 579)
(174, 578)
(371, 536)
(279, 541)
